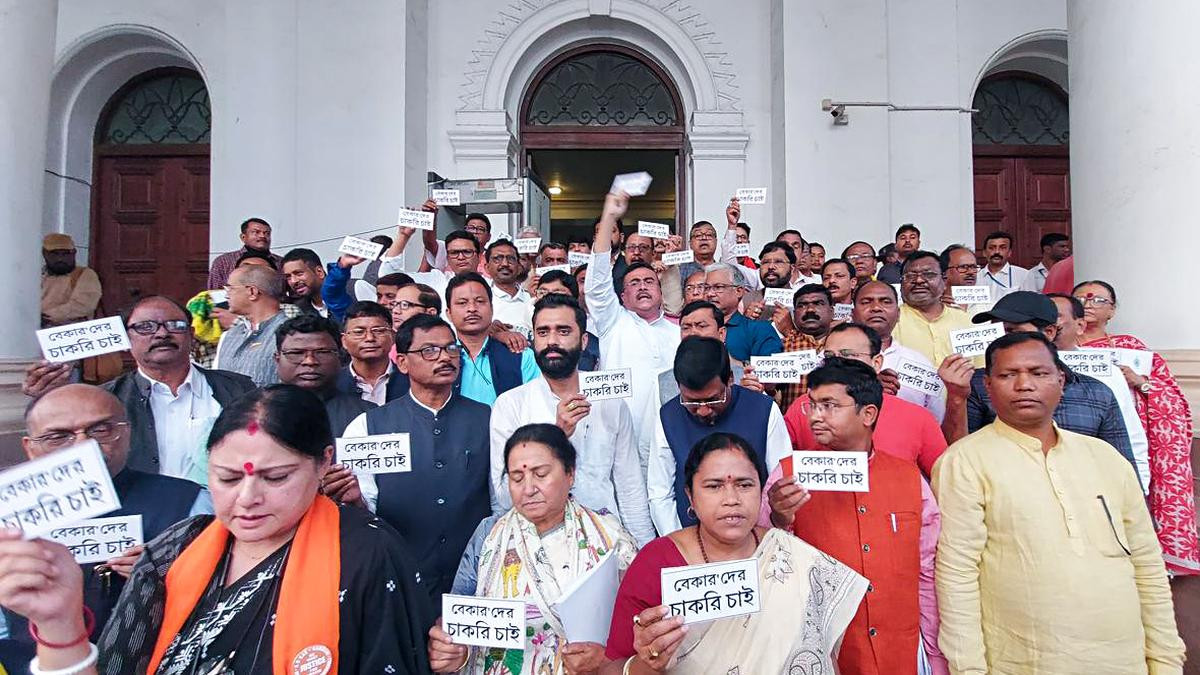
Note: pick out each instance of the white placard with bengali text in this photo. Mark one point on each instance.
(1093, 362)
(484, 622)
(679, 257)
(752, 196)
(972, 295)
(1139, 361)
(56, 490)
(448, 197)
(578, 259)
(740, 250)
(421, 220)
(711, 591)
(972, 342)
(633, 184)
(654, 230)
(842, 311)
(361, 248)
(565, 267)
(784, 367)
(379, 453)
(80, 340)
(784, 297)
(601, 384)
(99, 539)
(918, 377)
(831, 470)
(528, 244)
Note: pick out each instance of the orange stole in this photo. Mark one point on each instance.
(843, 524)
(307, 619)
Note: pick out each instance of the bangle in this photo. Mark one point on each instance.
(464, 663)
(89, 624)
(624, 670)
(92, 657)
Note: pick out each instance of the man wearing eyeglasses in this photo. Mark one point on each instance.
(961, 270)
(510, 302)
(925, 323)
(306, 349)
(368, 338)
(862, 256)
(248, 346)
(743, 337)
(73, 414)
(1048, 560)
(438, 504)
(708, 402)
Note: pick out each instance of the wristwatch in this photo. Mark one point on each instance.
(1145, 387)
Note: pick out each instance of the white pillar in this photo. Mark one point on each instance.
(1135, 160)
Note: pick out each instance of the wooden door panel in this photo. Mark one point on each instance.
(994, 197)
(1026, 196)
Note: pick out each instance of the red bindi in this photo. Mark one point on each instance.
(252, 427)
(249, 467)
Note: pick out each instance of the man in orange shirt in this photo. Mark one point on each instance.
(888, 533)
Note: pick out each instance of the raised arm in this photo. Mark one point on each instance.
(601, 297)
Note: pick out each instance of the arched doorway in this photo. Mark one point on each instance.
(1022, 182)
(150, 206)
(596, 111)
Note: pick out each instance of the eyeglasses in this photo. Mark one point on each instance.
(826, 407)
(405, 305)
(461, 252)
(639, 247)
(101, 432)
(230, 287)
(648, 282)
(151, 327)
(1096, 300)
(434, 352)
(720, 288)
(503, 258)
(963, 269)
(703, 235)
(297, 356)
(860, 256)
(921, 276)
(693, 405)
(476, 229)
(847, 354)
(695, 288)
(375, 331)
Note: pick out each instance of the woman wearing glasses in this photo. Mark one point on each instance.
(1167, 419)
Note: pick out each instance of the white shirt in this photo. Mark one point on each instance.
(934, 403)
(1036, 279)
(1133, 424)
(436, 279)
(358, 429)
(660, 475)
(514, 310)
(181, 424)
(608, 474)
(802, 280)
(374, 392)
(629, 341)
(1005, 281)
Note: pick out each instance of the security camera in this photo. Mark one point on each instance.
(836, 110)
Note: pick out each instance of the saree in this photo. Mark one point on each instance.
(518, 563)
(1167, 418)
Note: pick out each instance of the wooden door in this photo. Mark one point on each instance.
(1027, 197)
(150, 227)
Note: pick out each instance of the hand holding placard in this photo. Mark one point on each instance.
(972, 342)
(632, 184)
(831, 470)
(601, 384)
(752, 196)
(419, 220)
(711, 591)
(484, 622)
(360, 248)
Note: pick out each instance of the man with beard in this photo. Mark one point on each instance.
(708, 402)
(743, 338)
(608, 474)
(838, 276)
(801, 272)
(256, 237)
(510, 302)
(438, 504)
(743, 237)
(775, 263)
(304, 275)
(925, 323)
(306, 351)
(561, 283)
(961, 270)
(813, 316)
(1056, 247)
(489, 368)
(862, 256)
(1002, 277)
(876, 306)
(69, 293)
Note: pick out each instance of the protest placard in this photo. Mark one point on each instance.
(918, 377)
(711, 591)
(528, 244)
(842, 311)
(1139, 361)
(831, 470)
(379, 453)
(421, 220)
(361, 248)
(578, 259)
(98, 539)
(654, 230)
(972, 295)
(550, 268)
(632, 184)
(740, 250)
(484, 622)
(972, 342)
(80, 340)
(449, 197)
(55, 490)
(785, 366)
(601, 384)
(752, 196)
(1092, 362)
(784, 297)
(679, 257)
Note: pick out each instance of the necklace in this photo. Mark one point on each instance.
(704, 553)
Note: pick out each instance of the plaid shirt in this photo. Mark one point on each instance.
(785, 394)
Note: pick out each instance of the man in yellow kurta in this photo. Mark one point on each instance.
(69, 293)
(1047, 560)
(925, 323)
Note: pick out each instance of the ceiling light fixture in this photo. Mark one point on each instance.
(555, 190)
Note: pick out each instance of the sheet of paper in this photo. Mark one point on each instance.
(99, 539)
(528, 244)
(972, 342)
(380, 453)
(972, 295)
(919, 377)
(80, 340)
(484, 622)
(565, 267)
(585, 606)
(784, 297)
(654, 230)
(218, 296)
(842, 311)
(711, 591)
(421, 220)
(578, 259)
(740, 250)
(752, 196)
(362, 248)
(679, 257)
(899, 293)
(633, 184)
(1094, 362)
(1138, 360)
(601, 384)
(58, 489)
(831, 470)
(449, 197)
(785, 366)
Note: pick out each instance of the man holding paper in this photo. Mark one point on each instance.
(877, 305)
(743, 338)
(812, 318)
(510, 302)
(925, 323)
(888, 534)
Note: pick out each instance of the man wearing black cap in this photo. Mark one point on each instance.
(1087, 407)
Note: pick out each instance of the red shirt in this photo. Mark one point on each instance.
(1061, 277)
(903, 430)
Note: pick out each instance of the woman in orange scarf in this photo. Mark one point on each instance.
(282, 581)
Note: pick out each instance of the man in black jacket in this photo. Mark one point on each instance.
(307, 354)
